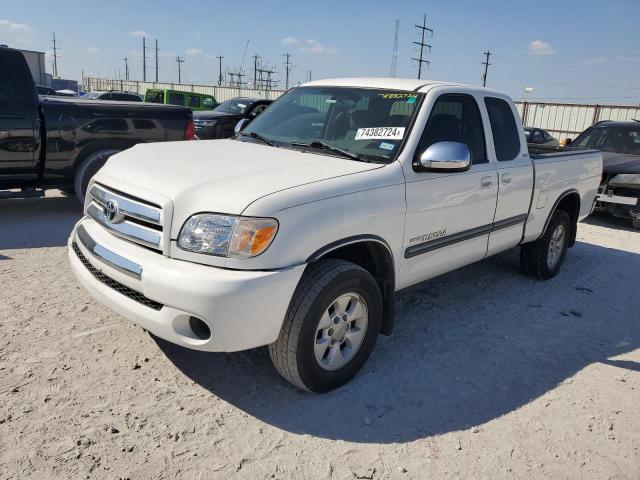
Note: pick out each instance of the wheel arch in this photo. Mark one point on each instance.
(569, 201)
(372, 253)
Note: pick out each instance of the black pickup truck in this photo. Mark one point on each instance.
(49, 142)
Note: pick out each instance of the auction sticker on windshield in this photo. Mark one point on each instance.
(380, 133)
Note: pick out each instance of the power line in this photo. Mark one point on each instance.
(55, 56)
(429, 32)
(394, 55)
(179, 61)
(486, 68)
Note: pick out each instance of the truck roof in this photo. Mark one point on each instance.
(407, 84)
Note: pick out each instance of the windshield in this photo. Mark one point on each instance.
(369, 123)
(611, 138)
(234, 106)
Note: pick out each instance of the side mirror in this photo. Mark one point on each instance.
(446, 157)
(567, 141)
(241, 124)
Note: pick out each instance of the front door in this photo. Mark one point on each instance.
(449, 215)
(17, 109)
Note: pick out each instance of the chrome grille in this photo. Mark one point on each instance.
(134, 220)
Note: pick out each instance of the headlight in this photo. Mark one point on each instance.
(227, 235)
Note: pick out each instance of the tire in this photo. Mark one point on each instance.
(324, 285)
(543, 258)
(88, 167)
(635, 221)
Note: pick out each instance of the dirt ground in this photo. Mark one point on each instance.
(489, 374)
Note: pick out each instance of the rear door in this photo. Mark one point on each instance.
(18, 109)
(515, 173)
(449, 215)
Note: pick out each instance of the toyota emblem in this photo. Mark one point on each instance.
(111, 211)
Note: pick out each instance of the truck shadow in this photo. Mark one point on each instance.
(603, 219)
(469, 347)
(37, 222)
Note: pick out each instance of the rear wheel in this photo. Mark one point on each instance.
(330, 328)
(88, 168)
(543, 258)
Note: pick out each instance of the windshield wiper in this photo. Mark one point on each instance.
(256, 136)
(331, 148)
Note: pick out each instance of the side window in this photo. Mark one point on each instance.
(176, 99)
(194, 101)
(456, 118)
(503, 126)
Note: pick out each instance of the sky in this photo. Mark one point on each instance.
(566, 50)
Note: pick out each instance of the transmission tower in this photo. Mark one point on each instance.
(424, 33)
(126, 68)
(394, 55)
(144, 59)
(55, 56)
(179, 61)
(156, 60)
(486, 68)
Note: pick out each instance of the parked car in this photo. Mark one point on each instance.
(43, 90)
(539, 136)
(619, 143)
(222, 120)
(54, 142)
(296, 233)
(113, 95)
(195, 101)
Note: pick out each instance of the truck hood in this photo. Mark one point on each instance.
(222, 176)
(615, 163)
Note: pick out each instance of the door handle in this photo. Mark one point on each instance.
(486, 182)
(506, 178)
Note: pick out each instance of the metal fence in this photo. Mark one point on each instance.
(221, 94)
(564, 120)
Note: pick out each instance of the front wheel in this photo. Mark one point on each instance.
(330, 328)
(88, 168)
(543, 258)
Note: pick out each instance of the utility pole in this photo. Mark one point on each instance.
(144, 59)
(220, 77)
(156, 60)
(423, 30)
(255, 71)
(126, 68)
(55, 56)
(486, 68)
(287, 68)
(394, 55)
(179, 61)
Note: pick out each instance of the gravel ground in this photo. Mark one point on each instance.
(488, 375)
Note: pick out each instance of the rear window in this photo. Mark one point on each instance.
(503, 126)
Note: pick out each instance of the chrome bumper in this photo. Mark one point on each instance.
(106, 256)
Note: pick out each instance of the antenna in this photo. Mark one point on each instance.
(486, 68)
(126, 68)
(55, 56)
(287, 68)
(429, 32)
(394, 55)
(179, 61)
(156, 60)
(220, 77)
(144, 59)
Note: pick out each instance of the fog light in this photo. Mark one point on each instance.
(200, 329)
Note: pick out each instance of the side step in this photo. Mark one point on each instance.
(24, 193)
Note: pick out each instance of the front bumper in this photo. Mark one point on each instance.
(243, 309)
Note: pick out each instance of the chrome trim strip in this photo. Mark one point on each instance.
(130, 231)
(127, 206)
(107, 256)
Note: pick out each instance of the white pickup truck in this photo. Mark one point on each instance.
(297, 232)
